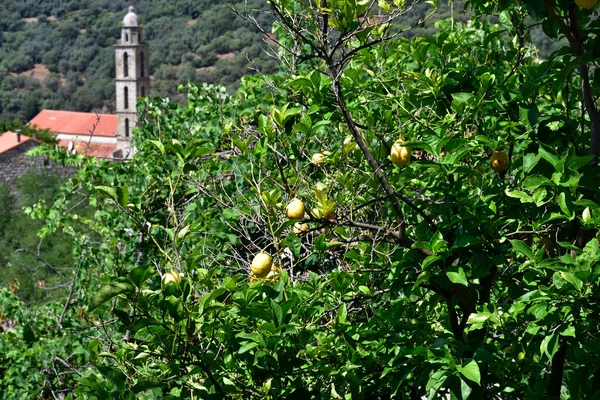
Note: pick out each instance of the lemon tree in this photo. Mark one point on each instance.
(442, 278)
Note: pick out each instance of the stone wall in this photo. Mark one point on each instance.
(15, 163)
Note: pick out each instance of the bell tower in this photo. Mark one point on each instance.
(132, 80)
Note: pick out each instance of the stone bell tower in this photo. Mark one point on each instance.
(132, 80)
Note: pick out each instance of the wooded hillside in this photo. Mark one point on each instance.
(60, 55)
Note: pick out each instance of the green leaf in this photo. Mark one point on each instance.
(466, 240)
(521, 247)
(342, 313)
(159, 146)
(530, 160)
(462, 97)
(535, 181)
(293, 242)
(458, 277)
(539, 197)
(549, 345)
(570, 277)
(551, 158)
(429, 260)
(423, 277)
(183, 232)
(530, 115)
(365, 290)
(247, 346)
(479, 318)
(471, 372)
(438, 244)
(566, 205)
(108, 292)
(568, 331)
(465, 389)
(517, 194)
(122, 193)
(110, 191)
(277, 311)
(436, 380)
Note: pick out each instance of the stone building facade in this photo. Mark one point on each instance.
(14, 162)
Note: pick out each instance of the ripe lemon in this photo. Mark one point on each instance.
(261, 264)
(499, 161)
(299, 228)
(273, 275)
(171, 276)
(400, 155)
(587, 4)
(318, 159)
(295, 210)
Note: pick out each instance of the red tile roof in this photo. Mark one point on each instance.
(90, 149)
(8, 140)
(76, 123)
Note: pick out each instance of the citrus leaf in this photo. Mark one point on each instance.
(108, 292)
(517, 194)
(535, 181)
(471, 372)
(521, 247)
(108, 190)
(247, 347)
(564, 204)
(458, 277)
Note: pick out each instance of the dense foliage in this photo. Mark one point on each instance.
(444, 277)
(37, 266)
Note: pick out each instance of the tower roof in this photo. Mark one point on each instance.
(130, 19)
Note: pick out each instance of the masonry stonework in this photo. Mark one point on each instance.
(15, 163)
(132, 78)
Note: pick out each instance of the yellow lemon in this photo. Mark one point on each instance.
(587, 4)
(400, 155)
(295, 210)
(318, 159)
(261, 264)
(273, 275)
(499, 161)
(299, 228)
(171, 276)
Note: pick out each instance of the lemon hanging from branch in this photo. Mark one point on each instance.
(261, 264)
(400, 155)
